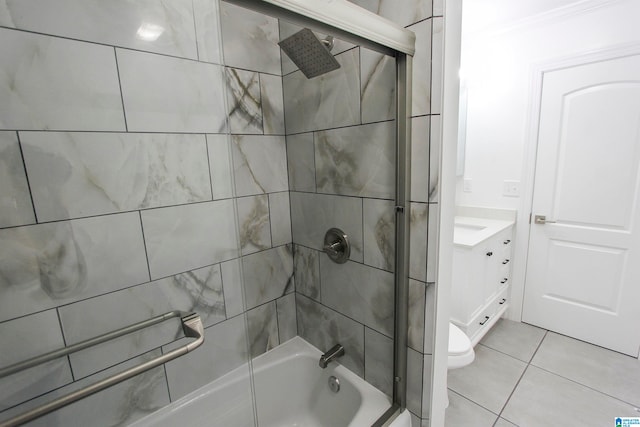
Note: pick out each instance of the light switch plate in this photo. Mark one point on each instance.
(466, 186)
(511, 188)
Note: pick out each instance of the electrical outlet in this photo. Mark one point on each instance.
(466, 186)
(511, 188)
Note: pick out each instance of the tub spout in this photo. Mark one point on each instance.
(335, 352)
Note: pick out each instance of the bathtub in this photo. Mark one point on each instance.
(291, 390)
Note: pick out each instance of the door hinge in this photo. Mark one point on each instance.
(530, 213)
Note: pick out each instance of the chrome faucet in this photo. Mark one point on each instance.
(335, 352)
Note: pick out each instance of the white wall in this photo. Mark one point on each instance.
(497, 63)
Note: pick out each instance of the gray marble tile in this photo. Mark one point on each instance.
(118, 405)
(43, 334)
(244, 101)
(179, 239)
(328, 101)
(288, 29)
(220, 166)
(379, 233)
(15, 201)
(609, 372)
(324, 328)
(301, 162)
(224, 349)
(357, 161)
(437, 52)
(432, 241)
(434, 159)
(287, 319)
(253, 221)
(417, 296)
(417, 422)
(489, 380)
(363, 293)
(233, 287)
(429, 318)
(503, 423)
(272, 104)
(262, 326)
(420, 159)
(249, 39)
(427, 364)
(418, 241)
(411, 11)
(313, 214)
(378, 361)
(199, 291)
(80, 174)
(306, 268)
(461, 412)
(206, 14)
(267, 275)
(438, 7)
(543, 399)
(48, 265)
(260, 164)
(516, 339)
(150, 25)
(164, 94)
(54, 94)
(421, 89)
(377, 86)
(415, 374)
(280, 214)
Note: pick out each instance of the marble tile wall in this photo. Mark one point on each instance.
(147, 165)
(143, 169)
(340, 147)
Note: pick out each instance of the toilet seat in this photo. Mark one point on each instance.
(460, 349)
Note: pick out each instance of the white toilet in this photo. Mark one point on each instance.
(461, 351)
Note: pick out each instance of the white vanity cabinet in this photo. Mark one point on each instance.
(481, 273)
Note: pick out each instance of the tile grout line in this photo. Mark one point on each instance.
(521, 376)
(26, 176)
(124, 112)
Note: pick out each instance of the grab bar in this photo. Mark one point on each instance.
(191, 326)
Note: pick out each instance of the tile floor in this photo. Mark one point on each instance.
(530, 377)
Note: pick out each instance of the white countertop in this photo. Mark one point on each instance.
(470, 231)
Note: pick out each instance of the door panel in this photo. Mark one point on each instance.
(582, 279)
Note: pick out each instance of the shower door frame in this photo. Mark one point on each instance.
(301, 13)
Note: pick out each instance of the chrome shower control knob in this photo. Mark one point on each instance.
(336, 245)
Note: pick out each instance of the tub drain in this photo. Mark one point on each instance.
(334, 384)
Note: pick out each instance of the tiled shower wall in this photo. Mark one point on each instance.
(123, 196)
(341, 159)
(131, 173)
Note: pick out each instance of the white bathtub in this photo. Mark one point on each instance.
(291, 390)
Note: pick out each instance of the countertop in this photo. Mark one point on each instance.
(470, 231)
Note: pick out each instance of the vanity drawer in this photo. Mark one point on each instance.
(481, 321)
(502, 299)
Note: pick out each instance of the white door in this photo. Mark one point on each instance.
(583, 269)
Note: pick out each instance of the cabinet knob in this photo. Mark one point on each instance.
(506, 242)
(502, 301)
(485, 320)
(489, 253)
(506, 261)
(503, 281)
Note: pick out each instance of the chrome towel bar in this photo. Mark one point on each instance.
(191, 326)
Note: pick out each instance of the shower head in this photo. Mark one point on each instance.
(312, 55)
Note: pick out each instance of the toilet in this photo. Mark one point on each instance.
(461, 352)
(460, 349)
